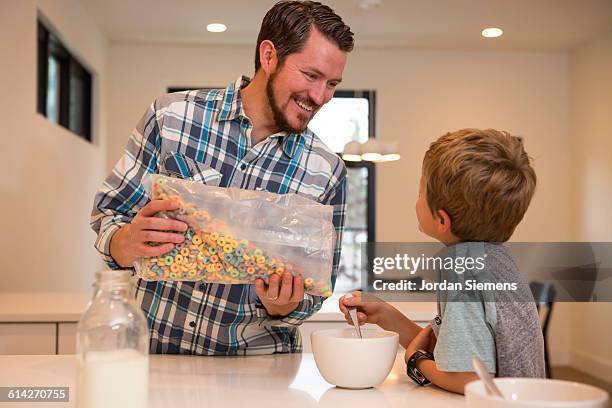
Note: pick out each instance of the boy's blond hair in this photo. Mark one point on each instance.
(483, 179)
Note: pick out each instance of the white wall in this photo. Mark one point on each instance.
(50, 174)
(591, 136)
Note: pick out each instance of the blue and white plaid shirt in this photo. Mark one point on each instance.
(206, 136)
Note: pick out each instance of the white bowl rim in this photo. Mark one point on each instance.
(386, 334)
(602, 397)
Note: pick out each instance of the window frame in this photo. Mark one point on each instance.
(370, 95)
(49, 45)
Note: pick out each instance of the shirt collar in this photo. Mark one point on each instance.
(231, 104)
(231, 108)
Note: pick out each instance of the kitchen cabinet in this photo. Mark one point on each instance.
(27, 338)
(66, 338)
(45, 323)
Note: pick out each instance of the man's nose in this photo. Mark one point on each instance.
(318, 94)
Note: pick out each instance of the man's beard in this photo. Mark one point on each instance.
(280, 119)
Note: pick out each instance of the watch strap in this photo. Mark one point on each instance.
(411, 369)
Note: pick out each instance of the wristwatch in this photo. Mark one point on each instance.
(412, 370)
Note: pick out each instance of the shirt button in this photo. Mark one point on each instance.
(191, 324)
(243, 167)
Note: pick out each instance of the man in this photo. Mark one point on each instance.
(251, 135)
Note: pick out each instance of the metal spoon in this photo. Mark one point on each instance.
(487, 379)
(353, 314)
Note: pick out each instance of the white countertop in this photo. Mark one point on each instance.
(282, 380)
(43, 307)
(68, 307)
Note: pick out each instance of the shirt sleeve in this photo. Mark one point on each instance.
(312, 304)
(122, 194)
(465, 332)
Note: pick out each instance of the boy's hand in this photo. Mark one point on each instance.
(281, 296)
(424, 340)
(370, 310)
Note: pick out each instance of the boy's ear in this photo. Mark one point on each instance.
(267, 56)
(443, 221)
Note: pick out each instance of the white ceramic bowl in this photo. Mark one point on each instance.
(350, 362)
(536, 393)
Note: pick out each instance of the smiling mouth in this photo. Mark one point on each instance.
(304, 105)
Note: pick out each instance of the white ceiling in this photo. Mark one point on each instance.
(422, 24)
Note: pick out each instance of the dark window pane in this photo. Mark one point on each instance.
(77, 98)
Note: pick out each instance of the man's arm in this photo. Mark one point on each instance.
(119, 201)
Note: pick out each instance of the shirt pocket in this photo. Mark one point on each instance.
(175, 164)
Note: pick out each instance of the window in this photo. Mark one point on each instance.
(64, 85)
(350, 115)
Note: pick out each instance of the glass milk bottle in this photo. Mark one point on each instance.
(112, 347)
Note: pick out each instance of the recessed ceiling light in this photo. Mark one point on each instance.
(216, 27)
(492, 32)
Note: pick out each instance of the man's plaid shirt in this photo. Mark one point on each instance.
(205, 136)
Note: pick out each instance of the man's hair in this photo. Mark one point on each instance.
(483, 179)
(289, 23)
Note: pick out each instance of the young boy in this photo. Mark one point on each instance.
(475, 188)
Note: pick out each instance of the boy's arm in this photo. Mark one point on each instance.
(396, 321)
(454, 382)
(450, 381)
(463, 334)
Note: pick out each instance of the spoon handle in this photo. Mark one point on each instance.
(486, 378)
(353, 314)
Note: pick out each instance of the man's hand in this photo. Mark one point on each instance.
(425, 340)
(281, 296)
(132, 241)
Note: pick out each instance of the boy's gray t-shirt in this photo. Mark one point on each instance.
(501, 327)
